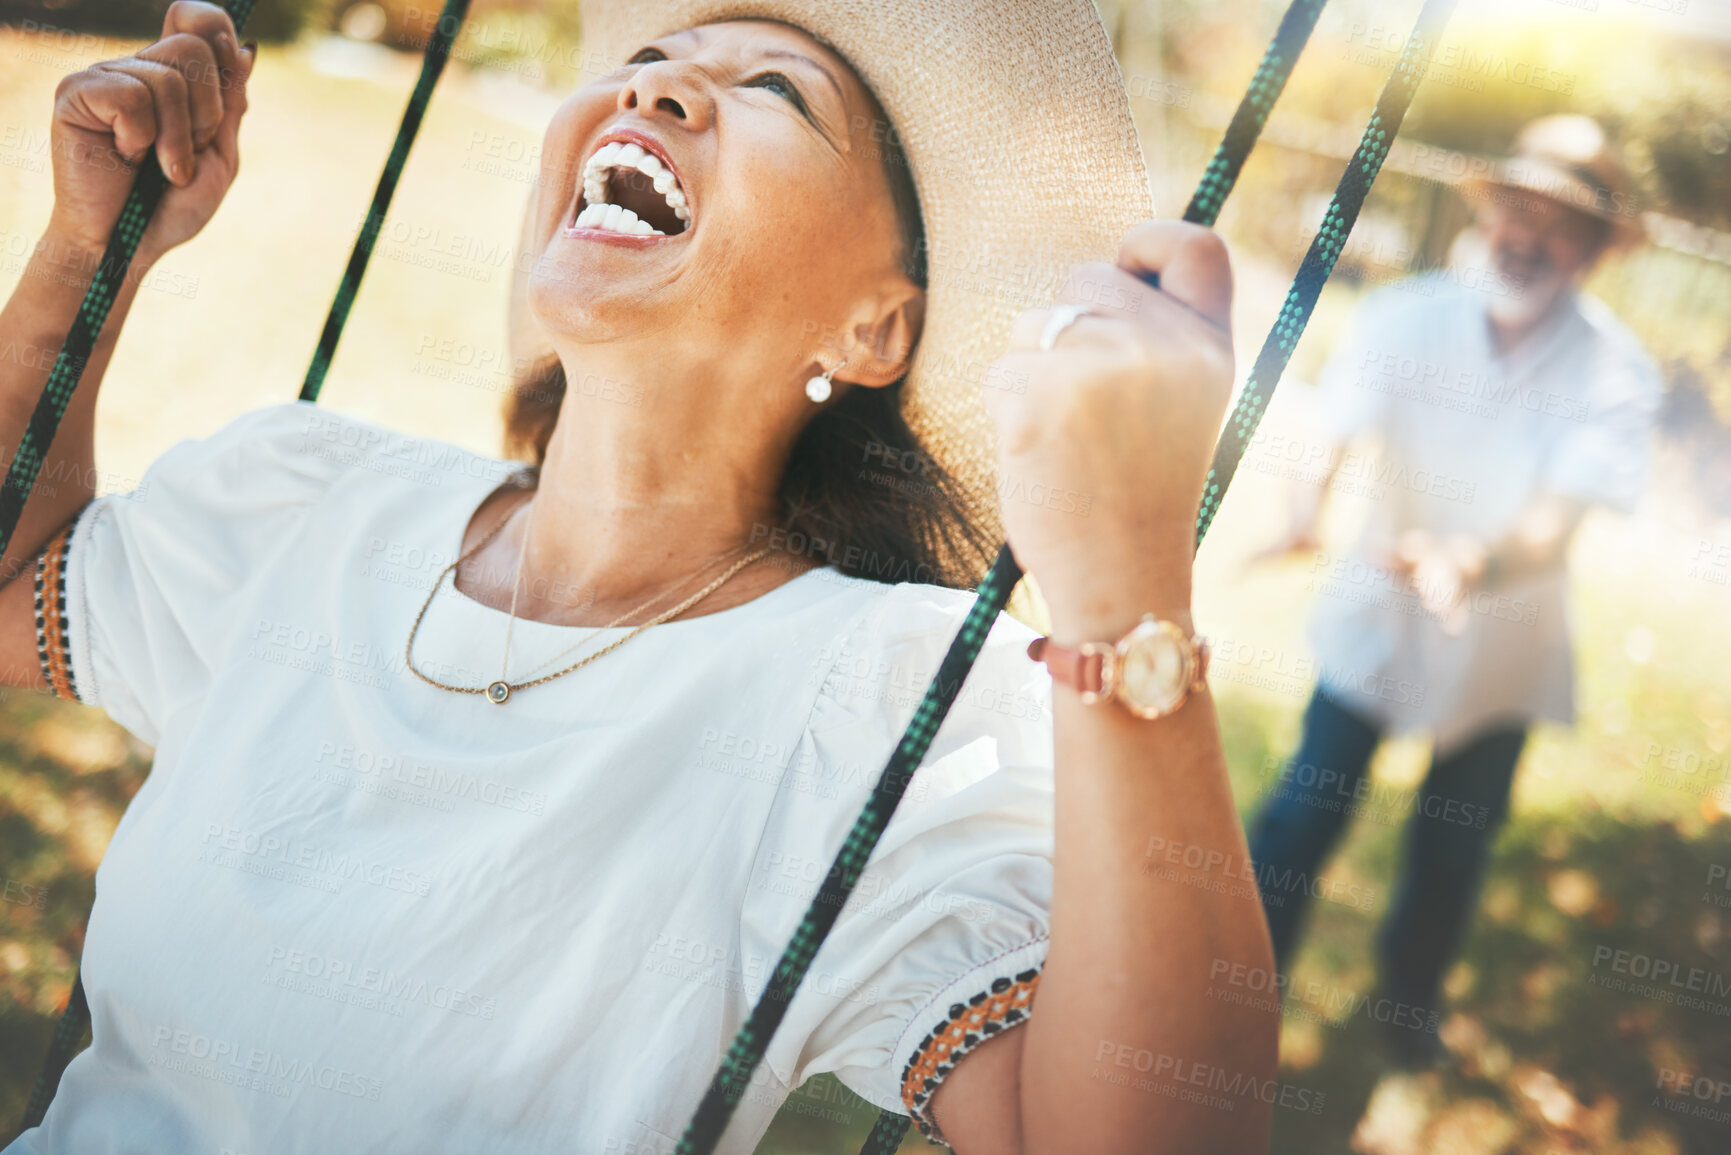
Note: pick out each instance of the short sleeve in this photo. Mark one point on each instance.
(941, 945)
(1607, 457)
(136, 595)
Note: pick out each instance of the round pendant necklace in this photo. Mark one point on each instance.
(500, 690)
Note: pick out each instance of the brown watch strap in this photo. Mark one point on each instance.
(1082, 667)
(1070, 665)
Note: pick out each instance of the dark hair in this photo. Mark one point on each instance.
(860, 491)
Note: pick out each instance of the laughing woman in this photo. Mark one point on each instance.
(487, 791)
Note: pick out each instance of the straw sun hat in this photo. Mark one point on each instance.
(1569, 159)
(1016, 125)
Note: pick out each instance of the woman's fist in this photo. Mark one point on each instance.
(181, 98)
(1106, 438)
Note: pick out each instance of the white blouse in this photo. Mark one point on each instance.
(350, 911)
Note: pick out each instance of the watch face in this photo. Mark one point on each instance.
(1153, 669)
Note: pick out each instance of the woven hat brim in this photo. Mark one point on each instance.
(1017, 128)
(1555, 182)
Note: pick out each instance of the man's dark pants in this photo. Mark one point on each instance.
(1455, 816)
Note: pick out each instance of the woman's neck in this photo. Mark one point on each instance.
(649, 487)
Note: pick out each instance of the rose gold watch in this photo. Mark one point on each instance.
(1150, 671)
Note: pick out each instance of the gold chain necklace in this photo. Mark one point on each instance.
(500, 691)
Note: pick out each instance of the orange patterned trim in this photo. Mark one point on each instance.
(53, 648)
(1007, 1003)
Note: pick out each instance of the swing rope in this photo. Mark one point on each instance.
(728, 1086)
(135, 214)
(147, 190)
(432, 65)
(713, 1113)
(1266, 85)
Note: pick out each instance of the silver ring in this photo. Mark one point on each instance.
(1062, 318)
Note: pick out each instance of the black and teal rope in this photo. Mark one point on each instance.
(432, 65)
(67, 1038)
(135, 216)
(1266, 85)
(81, 337)
(742, 1057)
(86, 328)
(704, 1130)
(1319, 260)
(886, 1134)
(748, 1046)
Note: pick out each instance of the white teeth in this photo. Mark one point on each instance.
(615, 219)
(596, 178)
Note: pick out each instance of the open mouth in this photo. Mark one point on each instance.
(628, 189)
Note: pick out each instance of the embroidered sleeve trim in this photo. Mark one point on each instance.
(53, 638)
(985, 1015)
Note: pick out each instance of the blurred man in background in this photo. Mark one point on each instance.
(1505, 403)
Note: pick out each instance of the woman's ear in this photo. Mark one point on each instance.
(883, 344)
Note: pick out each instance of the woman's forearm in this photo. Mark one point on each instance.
(33, 327)
(1153, 897)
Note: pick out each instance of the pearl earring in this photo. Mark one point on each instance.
(818, 387)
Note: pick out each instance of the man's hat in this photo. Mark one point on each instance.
(1568, 159)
